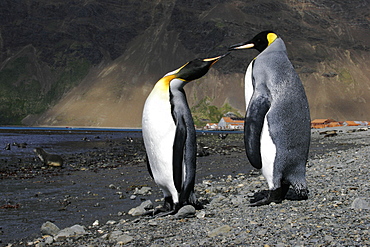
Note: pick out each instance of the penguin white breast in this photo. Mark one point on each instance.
(158, 129)
(268, 154)
(248, 85)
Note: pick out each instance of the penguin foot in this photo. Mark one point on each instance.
(161, 212)
(275, 196)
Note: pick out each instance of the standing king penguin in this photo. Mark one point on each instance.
(169, 135)
(277, 122)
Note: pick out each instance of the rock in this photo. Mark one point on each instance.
(201, 215)
(143, 191)
(49, 228)
(48, 239)
(350, 161)
(120, 237)
(147, 204)
(73, 231)
(124, 239)
(153, 223)
(140, 210)
(186, 211)
(361, 203)
(219, 230)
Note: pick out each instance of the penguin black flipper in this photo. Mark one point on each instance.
(187, 195)
(148, 166)
(178, 152)
(254, 120)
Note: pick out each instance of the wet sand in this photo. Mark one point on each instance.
(100, 174)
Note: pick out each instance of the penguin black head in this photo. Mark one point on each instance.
(259, 42)
(196, 68)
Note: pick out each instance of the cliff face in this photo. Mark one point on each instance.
(88, 63)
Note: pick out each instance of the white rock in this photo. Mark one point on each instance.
(49, 228)
(140, 210)
(73, 231)
(143, 191)
(201, 215)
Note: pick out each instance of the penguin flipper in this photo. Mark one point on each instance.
(148, 166)
(257, 109)
(178, 153)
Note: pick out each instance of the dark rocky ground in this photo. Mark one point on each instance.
(336, 214)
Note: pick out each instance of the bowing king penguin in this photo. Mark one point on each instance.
(277, 122)
(169, 135)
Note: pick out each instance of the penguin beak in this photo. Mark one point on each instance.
(241, 46)
(215, 59)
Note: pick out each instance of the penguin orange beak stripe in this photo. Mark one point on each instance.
(215, 59)
(246, 46)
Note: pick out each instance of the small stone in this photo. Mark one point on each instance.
(147, 204)
(350, 161)
(136, 211)
(48, 239)
(73, 231)
(201, 215)
(361, 203)
(111, 222)
(143, 191)
(219, 230)
(49, 228)
(120, 237)
(140, 210)
(187, 211)
(328, 238)
(133, 197)
(153, 223)
(113, 236)
(96, 223)
(124, 239)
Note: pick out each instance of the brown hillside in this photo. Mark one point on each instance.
(327, 41)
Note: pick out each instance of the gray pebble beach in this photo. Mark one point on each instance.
(337, 212)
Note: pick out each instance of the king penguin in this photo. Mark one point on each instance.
(169, 135)
(277, 122)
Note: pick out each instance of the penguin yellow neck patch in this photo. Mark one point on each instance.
(164, 83)
(271, 37)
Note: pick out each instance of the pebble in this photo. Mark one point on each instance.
(73, 231)
(187, 211)
(219, 230)
(143, 191)
(49, 228)
(142, 209)
(361, 203)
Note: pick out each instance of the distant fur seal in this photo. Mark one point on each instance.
(49, 159)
